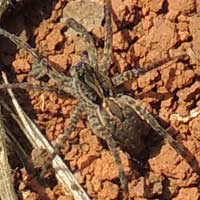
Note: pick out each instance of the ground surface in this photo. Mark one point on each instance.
(145, 32)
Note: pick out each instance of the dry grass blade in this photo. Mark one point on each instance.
(7, 191)
(3, 6)
(35, 137)
(185, 119)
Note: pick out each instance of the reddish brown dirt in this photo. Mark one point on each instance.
(145, 32)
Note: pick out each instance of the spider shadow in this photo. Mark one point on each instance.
(154, 145)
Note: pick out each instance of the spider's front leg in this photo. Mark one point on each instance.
(18, 42)
(107, 52)
(103, 126)
(41, 66)
(127, 76)
(91, 49)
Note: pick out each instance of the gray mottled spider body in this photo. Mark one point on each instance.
(116, 118)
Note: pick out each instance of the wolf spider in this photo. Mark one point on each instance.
(112, 116)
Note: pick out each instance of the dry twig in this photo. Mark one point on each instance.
(7, 191)
(185, 119)
(3, 6)
(35, 137)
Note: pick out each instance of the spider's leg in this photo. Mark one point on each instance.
(91, 49)
(136, 72)
(148, 117)
(18, 42)
(43, 87)
(61, 140)
(103, 132)
(42, 66)
(127, 76)
(64, 82)
(115, 152)
(107, 52)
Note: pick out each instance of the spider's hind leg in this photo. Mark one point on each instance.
(149, 118)
(115, 152)
(104, 130)
(60, 141)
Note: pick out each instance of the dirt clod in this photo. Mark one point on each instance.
(145, 33)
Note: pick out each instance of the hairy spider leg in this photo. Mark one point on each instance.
(62, 138)
(99, 124)
(107, 51)
(42, 66)
(148, 117)
(19, 43)
(91, 49)
(26, 85)
(132, 75)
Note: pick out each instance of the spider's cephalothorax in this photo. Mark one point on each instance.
(114, 117)
(89, 84)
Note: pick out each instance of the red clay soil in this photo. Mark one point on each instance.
(145, 32)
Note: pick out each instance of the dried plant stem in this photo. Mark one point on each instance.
(185, 119)
(36, 138)
(3, 6)
(7, 191)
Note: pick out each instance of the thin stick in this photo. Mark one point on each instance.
(22, 155)
(3, 6)
(7, 191)
(36, 138)
(185, 119)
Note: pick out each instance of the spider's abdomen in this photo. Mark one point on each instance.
(125, 126)
(131, 131)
